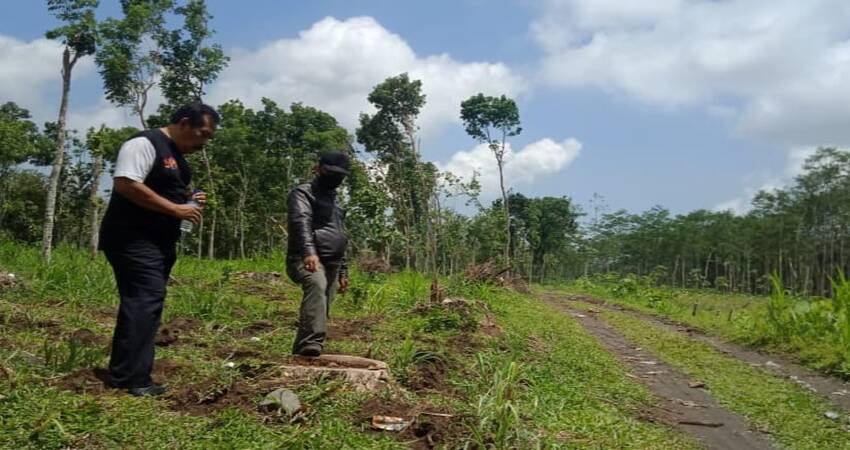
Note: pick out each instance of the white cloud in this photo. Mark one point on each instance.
(781, 69)
(103, 112)
(26, 68)
(30, 70)
(742, 204)
(334, 65)
(538, 159)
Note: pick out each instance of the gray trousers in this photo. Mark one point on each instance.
(319, 288)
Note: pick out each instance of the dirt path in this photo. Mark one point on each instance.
(690, 409)
(834, 390)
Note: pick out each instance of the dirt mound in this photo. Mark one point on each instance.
(171, 332)
(85, 337)
(373, 265)
(84, 381)
(352, 329)
(166, 369)
(8, 280)
(429, 376)
(491, 273)
(205, 398)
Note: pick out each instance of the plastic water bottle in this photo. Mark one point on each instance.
(187, 225)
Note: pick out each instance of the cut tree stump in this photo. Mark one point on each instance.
(362, 374)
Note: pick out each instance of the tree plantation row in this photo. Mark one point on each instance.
(52, 190)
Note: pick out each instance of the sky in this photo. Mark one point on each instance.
(687, 104)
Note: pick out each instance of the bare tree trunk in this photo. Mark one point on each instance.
(93, 199)
(58, 157)
(241, 215)
(211, 187)
(500, 162)
(201, 237)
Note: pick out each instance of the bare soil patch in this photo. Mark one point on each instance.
(430, 426)
(172, 332)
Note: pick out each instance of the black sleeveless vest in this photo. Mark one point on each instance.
(170, 177)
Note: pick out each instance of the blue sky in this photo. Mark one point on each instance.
(685, 104)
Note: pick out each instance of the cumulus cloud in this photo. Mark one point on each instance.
(780, 68)
(538, 159)
(334, 65)
(30, 70)
(26, 67)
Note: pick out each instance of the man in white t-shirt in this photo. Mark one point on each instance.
(139, 234)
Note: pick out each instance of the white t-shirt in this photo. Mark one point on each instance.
(135, 159)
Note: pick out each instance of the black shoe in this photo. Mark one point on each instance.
(148, 391)
(311, 350)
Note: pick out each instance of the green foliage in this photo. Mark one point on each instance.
(22, 197)
(79, 33)
(498, 422)
(484, 116)
(188, 64)
(407, 357)
(130, 54)
(410, 184)
(19, 136)
(63, 357)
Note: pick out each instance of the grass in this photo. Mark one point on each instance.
(540, 381)
(792, 416)
(815, 332)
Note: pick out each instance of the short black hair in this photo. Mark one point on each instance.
(195, 112)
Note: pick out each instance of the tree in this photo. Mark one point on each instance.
(19, 136)
(79, 36)
(390, 134)
(21, 209)
(19, 141)
(491, 120)
(188, 64)
(130, 55)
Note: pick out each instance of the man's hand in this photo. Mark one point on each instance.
(201, 198)
(187, 212)
(343, 284)
(311, 263)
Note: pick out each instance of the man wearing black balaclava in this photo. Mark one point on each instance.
(315, 256)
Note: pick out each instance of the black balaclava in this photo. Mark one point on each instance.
(330, 180)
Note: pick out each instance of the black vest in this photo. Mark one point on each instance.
(169, 178)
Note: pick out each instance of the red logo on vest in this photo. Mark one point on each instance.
(170, 163)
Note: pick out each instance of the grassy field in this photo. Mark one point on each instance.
(814, 331)
(790, 414)
(503, 369)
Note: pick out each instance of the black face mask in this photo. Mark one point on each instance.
(330, 181)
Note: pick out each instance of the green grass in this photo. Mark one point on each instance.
(819, 336)
(792, 416)
(541, 382)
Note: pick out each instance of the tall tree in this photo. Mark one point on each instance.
(390, 134)
(130, 55)
(79, 36)
(189, 64)
(491, 120)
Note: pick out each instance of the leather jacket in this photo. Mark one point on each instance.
(315, 225)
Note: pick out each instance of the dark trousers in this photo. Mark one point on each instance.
(141, 271)
(319, 288)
